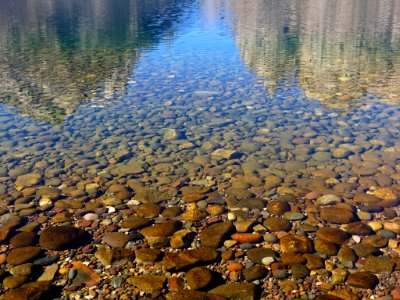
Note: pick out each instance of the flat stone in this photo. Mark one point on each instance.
(376, 241)
(10, 221)
(29, 291)
(171, 212)
(236, 291)
(337, 215)
(49, 273)
(257, 255)
(252, 203)
(171, 134)
(181, 239)
(28, 180)
(300, 271)
(145, 195)
(165, 229)
(135, 223)
(13, 282)
(378, 264)
(272, 182)
(364, 198)
(23, 239)
(296, 244)
(244, 226)
(333, 235)
(116, 239)
(278, 207)
(292, 166)
(392, 226)
(61, 237)
(386, 193)
(277, 224)
(114, 257)
(199, 278)
(293, 216)
(364, 250)
(325, 247)
(147, 255)
(194, 215)
(346, 254)
(22, 255)
(62, 217)
(359, 228)
(328, 200)
(225, 153)
(48, 192)
(314, 262)
(188, 258)
(254, 272)
(364, 280)
(148, 210)
(214, 235)
(148, 283)
(21, 270)
(288, 285)
(292, 259)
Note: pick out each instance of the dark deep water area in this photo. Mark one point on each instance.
(257, 99)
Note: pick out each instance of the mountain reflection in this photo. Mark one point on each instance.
(340, 50)
(55, 54)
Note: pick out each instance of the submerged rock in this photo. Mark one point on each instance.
(61, 237)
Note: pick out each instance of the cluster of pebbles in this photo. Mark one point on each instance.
(211, 238)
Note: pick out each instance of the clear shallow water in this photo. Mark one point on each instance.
(89, 87)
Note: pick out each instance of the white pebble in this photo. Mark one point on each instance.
(90, 217)
(44, 202)
(267, 260)
(133, 202)
(356, 238)
(111, 210)
(231, 217)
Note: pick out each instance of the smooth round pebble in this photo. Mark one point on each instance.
(90, 217)
(267, 260)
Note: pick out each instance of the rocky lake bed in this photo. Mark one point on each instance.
(257, 235)
(226, 149)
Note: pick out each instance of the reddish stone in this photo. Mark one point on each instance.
(313, 195)
(112, 228)
(87, 249)
(86, 223)
(127, 212)
(234, 266)
(113, 270)
(277, 266)
(246, 237)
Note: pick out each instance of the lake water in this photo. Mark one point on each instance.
(88, 86)
(215, 116)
